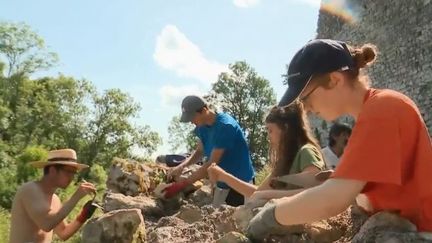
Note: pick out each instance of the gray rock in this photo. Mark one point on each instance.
(121, 226)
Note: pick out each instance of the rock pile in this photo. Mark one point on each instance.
(133, 214)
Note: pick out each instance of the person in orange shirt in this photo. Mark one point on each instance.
(387, 163)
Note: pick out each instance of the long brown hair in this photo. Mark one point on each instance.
(295, 133)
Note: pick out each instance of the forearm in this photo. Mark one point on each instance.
(274, 194)
(52, 220)
(69, 230)
(244, 188)
(199, 174)
(315, 204)
(195, 157)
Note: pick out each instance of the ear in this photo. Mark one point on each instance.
(336, 79)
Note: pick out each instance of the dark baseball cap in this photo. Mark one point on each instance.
(318, 56)
(190, 105)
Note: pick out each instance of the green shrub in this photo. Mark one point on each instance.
(24, 171)
(8, 186)
(98, 175)
(4, 224)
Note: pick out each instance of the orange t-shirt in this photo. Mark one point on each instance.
(390, 148)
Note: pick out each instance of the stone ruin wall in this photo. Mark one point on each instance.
(402, 31)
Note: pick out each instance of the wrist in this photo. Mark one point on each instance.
(81, 218)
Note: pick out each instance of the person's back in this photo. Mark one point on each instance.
(23, 228)
(391, 150)
(308, 155)
(226, 133)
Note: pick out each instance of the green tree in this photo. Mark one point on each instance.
(24, 50)
(26, 172)
(50, 112)
(110, 132)
(181, 136)
(8, 186)
(247, 96)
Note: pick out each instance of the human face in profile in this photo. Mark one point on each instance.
(273, 134)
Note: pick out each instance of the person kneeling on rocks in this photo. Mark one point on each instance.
(222, 141)
(37, 211)
(295, 157)
(387, 162)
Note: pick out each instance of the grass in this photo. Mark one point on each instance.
(4, 223)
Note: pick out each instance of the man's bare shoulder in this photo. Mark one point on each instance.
(29, 189)
(31, 185)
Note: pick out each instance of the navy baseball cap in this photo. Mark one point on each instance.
(190, 106)
(318, 56)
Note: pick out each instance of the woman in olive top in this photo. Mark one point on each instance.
(293, 150)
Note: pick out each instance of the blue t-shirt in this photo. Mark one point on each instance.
(226, 134)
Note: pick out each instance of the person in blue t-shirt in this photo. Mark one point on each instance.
(222, 141)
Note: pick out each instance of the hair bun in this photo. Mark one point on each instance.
(365, 55)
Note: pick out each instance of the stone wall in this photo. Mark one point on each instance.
(402, 31)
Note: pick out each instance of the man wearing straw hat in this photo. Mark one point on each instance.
(37, 210)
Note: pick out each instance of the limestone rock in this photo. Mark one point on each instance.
(190, 214)
(202, 196)
(388, 227)
(132, 178)
(147, 205)
(122, 226)
(233, 237)
(322, 232)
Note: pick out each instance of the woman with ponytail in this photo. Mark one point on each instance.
(387, 163)
(293, 151)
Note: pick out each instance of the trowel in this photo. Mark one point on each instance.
(96, 204)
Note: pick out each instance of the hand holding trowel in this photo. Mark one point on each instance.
(88, 209)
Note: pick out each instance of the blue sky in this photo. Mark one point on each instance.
(160, 51)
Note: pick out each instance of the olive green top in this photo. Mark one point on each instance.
(307, 155)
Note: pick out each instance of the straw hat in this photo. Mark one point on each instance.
(60, 157)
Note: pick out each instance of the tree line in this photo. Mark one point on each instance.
(37, 115)
(51, 112)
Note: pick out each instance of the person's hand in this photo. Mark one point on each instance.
(86, 212)
(215, 173)
(175, 172)
(85, 188)
(264, 223)
(323, 175)
(174, 188)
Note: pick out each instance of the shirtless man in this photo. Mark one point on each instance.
(37, 210)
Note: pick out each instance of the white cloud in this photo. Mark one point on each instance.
(173, 95)
(246, 3)
(174, 51)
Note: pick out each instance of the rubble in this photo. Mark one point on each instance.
(141, 216)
